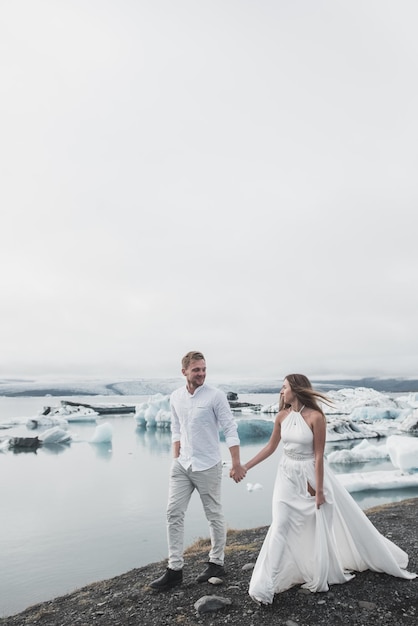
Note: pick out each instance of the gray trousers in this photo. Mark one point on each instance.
(182, 484)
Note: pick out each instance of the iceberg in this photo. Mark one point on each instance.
(343, 428)
(403, 452)
(163, 419)
(364, 451)
(55, 435)
(61, 415)
(49, 437)
(365, 481)
(365, 413)
(102, 434)
(256, 428)
(154, 412)
(410, 423)
(346, 400)
(4, 444)
(74, 413)
(46, 421)
(411, 399)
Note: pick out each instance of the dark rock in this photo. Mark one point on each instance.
(209, 604)
(28, 443)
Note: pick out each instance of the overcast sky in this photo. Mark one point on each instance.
(232, 176)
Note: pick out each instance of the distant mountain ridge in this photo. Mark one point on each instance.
(151, 386)
(388, 385)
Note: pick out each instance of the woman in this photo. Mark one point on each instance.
(318, 534)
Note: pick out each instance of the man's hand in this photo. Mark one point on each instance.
(238, 472)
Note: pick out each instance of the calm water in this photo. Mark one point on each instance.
(81, 512)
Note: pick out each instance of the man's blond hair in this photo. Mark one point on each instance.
(189, 357)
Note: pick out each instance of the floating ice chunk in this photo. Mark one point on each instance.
(163, 419)
(346, 400)
(411, 399)
(342, 428)
(362, 413)
(55, 435)
(254, 486)
(46, 420)
(386, 427)
(139, 415)
(270, 408)
(4, 445)
(146, 413)
(68, 412)
(363, 451)
(150, 414)
(102, 434)
(403, 452)
(253, 428)
(410, 423)
(365, 481)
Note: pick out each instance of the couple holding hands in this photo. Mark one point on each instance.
(318, 534)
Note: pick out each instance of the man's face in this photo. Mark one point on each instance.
(195, 373)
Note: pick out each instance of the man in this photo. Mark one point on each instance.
(197, 413)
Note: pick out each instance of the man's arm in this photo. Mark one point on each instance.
(238, 472)
(230, 430)
(176, 449)
(175, 430)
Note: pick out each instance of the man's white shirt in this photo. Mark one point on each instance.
(196, 421)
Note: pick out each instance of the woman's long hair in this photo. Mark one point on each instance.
(305, 393)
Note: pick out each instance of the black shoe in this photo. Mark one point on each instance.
(211, 570)
(171, 578)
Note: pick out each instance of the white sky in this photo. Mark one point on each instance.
(233, 176)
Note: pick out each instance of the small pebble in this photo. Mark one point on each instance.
(247, 566)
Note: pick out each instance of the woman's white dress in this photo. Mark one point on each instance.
(310, 546)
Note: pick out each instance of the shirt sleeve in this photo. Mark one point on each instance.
(226, 419)
(175, 423)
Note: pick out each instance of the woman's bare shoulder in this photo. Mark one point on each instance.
(281, 415)
(313, 416)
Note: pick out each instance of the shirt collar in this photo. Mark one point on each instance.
(193, 395)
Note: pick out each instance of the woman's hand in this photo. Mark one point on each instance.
(238, 472)
(319, 498)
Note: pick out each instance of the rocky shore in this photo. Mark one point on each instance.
(370, 599)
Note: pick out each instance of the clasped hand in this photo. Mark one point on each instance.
(238, 472)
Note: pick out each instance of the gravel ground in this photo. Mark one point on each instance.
(370, 599)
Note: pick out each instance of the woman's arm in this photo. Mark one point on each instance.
(319, 427)
(271, 445)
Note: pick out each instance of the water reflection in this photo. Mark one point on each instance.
(155, 440)
(55, 448)
(103, 450)
(370, 498)
(24, 450)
